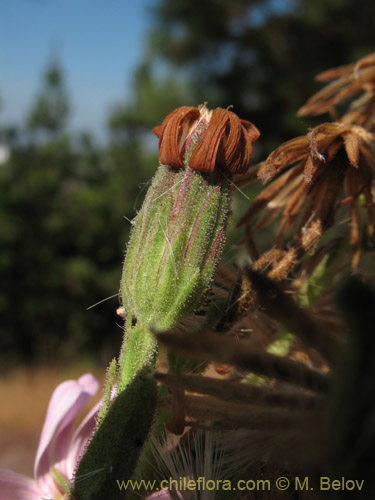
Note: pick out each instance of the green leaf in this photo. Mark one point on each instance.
(113, 452)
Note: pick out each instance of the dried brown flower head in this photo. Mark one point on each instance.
(307, 420)
(347, 82)
(332, 165)
(226, 141)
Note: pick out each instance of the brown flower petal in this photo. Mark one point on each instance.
(227, 140)
(205, 152)
(169, 135)
(351, 142)
(347, 82)
(232, 142)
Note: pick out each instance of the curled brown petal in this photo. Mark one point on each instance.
(236, 148)
(251, 130)
(249, 134)
(232, 142)
(157, 131)
(169, 134)
(205, 152)
(243, 162)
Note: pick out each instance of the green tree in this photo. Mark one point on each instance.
(63, 208)
(51, 108)
(153, 96)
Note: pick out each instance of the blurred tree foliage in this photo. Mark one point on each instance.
(63, 198)
(63, 233)
(51, 109)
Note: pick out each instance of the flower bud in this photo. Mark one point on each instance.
(178, 235)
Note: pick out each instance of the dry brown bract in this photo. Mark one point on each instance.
(348, 81)
(332, 159)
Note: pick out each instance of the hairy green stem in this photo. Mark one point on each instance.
(138, 350)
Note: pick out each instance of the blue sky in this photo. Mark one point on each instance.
(98, 43)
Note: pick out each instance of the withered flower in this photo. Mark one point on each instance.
(332, 165)
(299, 419)
(347, 82)
(224, 140)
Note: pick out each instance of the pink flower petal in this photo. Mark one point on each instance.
(17, 487)
(162, 495)
(66, 402)
(80, 439)
(63, 439)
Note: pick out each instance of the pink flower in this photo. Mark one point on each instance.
(60, 447)
(161, 495)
